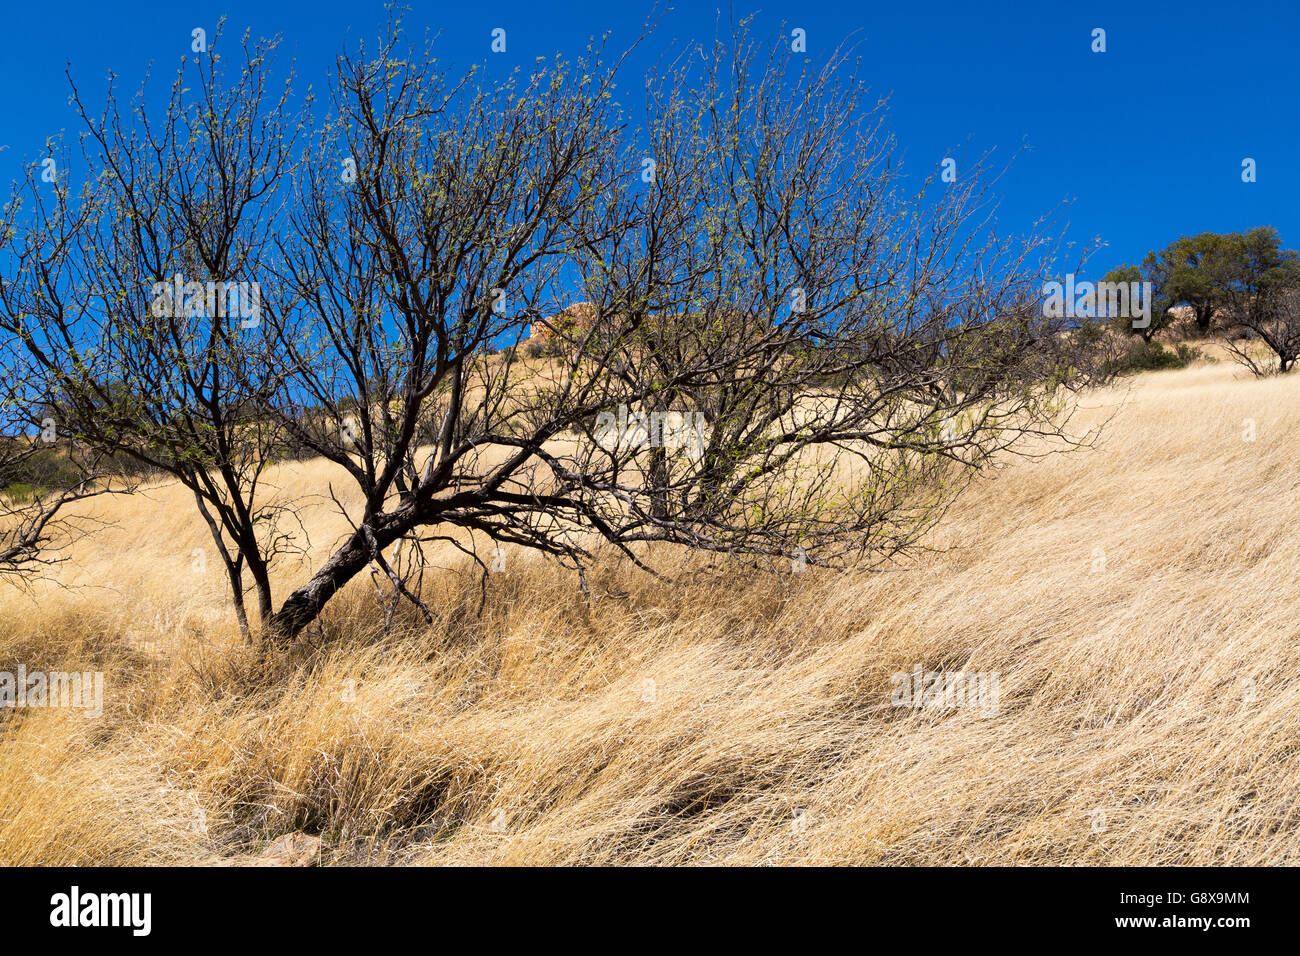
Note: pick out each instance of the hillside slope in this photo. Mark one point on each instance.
(1135, 600)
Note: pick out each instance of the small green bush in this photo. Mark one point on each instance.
(1152, 356)
(45, 468)
(19, 493)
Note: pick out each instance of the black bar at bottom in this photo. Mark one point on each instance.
(302, 906)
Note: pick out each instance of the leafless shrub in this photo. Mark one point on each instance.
(1267, 334)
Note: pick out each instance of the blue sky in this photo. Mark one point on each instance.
(1141, 144)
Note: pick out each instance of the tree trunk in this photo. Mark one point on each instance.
(303, 606)
(262, 581)
(233, 570)
(1204, 316)
(237, 595)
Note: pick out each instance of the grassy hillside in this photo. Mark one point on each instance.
(1137, 600)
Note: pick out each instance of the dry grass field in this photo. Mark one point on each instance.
(1137, 600)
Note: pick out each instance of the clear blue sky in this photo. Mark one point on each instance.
(1145, 142)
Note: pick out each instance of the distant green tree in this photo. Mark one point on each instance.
(1256, 267)
(1161, 317)
(1261, 295)
(1191, 271)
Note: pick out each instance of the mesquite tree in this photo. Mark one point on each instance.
(136, 296)
(779, 352)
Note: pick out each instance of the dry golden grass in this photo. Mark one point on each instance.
(1137, 600)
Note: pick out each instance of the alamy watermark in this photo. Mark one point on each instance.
(75, 908)
(180, 299)
(669, 430)
(946, 690)
(83, 691)
(1120, 300)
